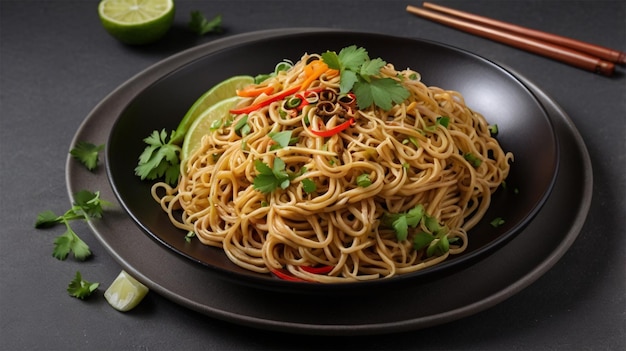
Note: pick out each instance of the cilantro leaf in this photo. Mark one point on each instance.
(401, 227)
(87, 154)
(90, 203)
(434, 240)
(400, 222)
(361, 75)
(282, 139)
(422, 240)
(86, 205)
(270, 178)
(444, 121)
(332, 60)
(347, 81)
(308, 185)
(70, 242)
(160, 158)
(200, 25)
(415, 215)
(382, 92)
(371, 68)
(81, 288)
(438, 247)
(352, 57)
(47, 219)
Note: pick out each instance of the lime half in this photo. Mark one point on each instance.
(125, 292)
(136, 22)
(223, 90)
(204, 123)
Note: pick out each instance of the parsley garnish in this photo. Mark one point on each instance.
(87, 154)
(87, 205)
(308, 185)
(282, 139)
(81, 288)
(434, 240)
(268, 178)
(160, 158)
(400, 222)
(199, 24)
(361, 75)
(443, 121)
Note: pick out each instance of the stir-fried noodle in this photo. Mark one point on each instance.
(343, 193)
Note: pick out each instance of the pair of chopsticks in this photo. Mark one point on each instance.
(583, 55)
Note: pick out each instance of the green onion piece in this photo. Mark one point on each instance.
(363, 180)
(496, 222)
(493, 129)
(473, 159)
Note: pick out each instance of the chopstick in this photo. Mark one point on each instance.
(579, 54)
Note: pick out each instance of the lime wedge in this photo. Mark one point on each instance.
(136, 22)
(125, 292)
(203, 124)
(223, 90)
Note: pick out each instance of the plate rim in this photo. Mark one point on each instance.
(576, 226)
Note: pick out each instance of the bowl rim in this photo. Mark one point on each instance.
(154, 73)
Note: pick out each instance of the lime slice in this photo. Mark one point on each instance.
(125, 292)
(203, 124)
(223, 90)
(136, 22)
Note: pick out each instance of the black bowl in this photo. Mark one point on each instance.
(524, 129)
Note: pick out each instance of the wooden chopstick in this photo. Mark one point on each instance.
(591, 49)
(517, 39)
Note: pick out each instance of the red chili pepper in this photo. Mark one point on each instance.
(282, 274)
(269, 100)
(317, 270)
(336, 130)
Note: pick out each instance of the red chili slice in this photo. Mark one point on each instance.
(284, 275)
(332, 131)
(317, 270)
(269, 100)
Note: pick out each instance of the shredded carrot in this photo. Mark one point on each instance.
(269, 100)
(254, 91)
(313, 71)
(332, 73)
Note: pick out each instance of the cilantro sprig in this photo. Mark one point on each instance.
(86, 205)
(360, 74)
(271, 178)
(434, 238)
(201, 26)
(160, 158)
(80, 288)
(87, 154)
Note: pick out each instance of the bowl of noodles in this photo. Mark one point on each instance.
(363, 160)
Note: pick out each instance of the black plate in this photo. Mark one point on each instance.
(525, 129)
(492, 280)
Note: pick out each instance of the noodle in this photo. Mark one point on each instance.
(407, 155)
